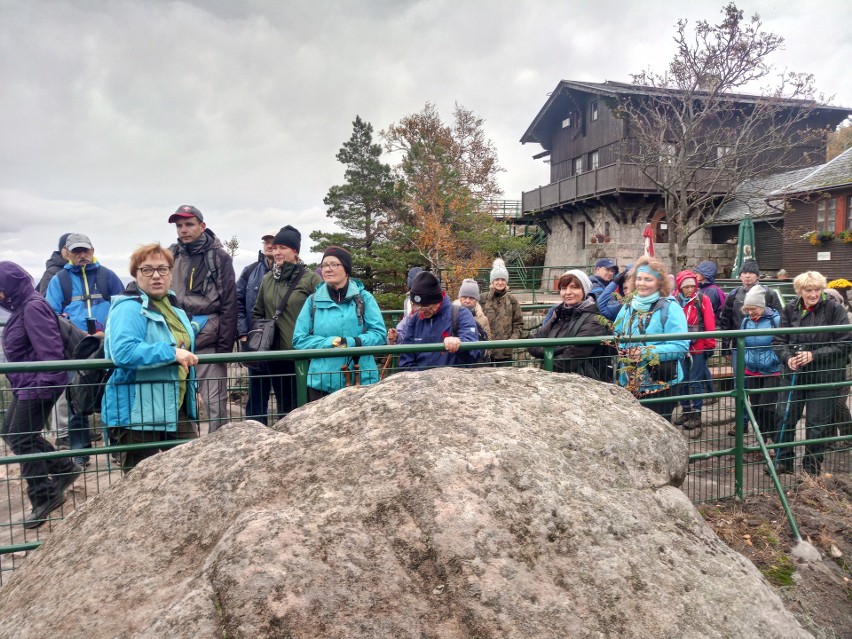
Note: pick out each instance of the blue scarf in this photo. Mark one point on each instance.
(644, 304)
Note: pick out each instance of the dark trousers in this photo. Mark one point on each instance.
(818, 406)
(277, 377)
(186, 429)
(765, 405)
(22, 426)
(314, 394)
(79, 435)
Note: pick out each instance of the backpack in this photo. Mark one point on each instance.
(71, 335)
(86, 388)
(481, 335)
(101, 286)
(699, 309)
(209, 258)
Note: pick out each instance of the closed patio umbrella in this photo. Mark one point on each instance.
(648, 234)
(745, 245)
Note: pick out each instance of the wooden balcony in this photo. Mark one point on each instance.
(621, 177)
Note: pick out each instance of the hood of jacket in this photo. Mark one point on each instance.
(588, 305)
(17, 285)
(207, 241)
(681, 277)
(55, 261)
(708, 270)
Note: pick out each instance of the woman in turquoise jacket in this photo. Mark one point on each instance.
(651, 369)
(340, 314)
(150, 397)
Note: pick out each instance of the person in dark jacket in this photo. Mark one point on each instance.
(605, 270)
(705, 273)
(503, 312)
(577, 316)
(431, 322)
(32, 335)
(210, 299)
(810, 358)
(248, 285)
(731, 313)
(282, 295)
(55, 263)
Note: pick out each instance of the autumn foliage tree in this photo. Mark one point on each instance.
(449, 177)
(697, 137)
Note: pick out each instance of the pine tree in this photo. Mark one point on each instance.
(364, 209)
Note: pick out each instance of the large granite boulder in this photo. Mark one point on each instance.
(446, 504)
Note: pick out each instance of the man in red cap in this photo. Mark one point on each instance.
(206, 289)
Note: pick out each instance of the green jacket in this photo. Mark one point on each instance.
(505, 319)
(272, 292)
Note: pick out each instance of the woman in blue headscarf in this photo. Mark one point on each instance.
(651, 369)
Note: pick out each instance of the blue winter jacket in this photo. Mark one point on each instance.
(627, 324)
(77, 309)
(247, 287)
(759, 356)
(608, 303)
(331, 320)
(433, 331)
(143, 391)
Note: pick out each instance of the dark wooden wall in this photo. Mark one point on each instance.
(800, 256)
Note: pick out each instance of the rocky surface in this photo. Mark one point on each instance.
(447, 504)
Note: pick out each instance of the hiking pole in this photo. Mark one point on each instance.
(784, 420)
(91, 323)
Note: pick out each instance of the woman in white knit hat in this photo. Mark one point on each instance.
(503, 312)
(469, 298)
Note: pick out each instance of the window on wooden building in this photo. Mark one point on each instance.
(578, 165)
(849, 212)
(722, 152)
(593, 113)
(594, 160)
(668, 152)
(826, 215)
(581, 235)
(566, 123)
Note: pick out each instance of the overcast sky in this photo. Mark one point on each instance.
(114, 113)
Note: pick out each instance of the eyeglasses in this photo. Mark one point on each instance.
(330, 267)
(148, 271)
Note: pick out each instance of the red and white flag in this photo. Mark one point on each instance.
(648, 234)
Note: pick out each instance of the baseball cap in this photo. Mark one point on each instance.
(268, 235)
(78, 240)
(606, 262)
(184, 211)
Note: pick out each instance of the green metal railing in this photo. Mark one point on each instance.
(737, 393)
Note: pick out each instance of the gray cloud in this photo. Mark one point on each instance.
(115, 113)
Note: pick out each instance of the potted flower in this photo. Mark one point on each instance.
(845, 236)
(813, 238)
(825, 236)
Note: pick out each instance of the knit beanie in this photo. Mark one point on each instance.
(581, 277)
(469, 288)
(750, 266)
(289, 237)
(412, 273)
(755, 296)
(62, 240)
(341, 254)
(499, 271)
(426, 289)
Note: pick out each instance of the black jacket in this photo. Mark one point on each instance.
(583, 320)
(831, 350)
(54, 264)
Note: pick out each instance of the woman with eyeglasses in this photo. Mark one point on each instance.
(341, 314)
(150, 397)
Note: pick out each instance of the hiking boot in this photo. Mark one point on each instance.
(40, 514)
(693, 421)
(782, 468)
(96, 435)
(61, 443)
(81, 461)
(709, 401)
(66, 479)
(683, 418)
(733, 431)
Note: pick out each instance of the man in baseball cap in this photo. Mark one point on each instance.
(184, 211)
(605, 270)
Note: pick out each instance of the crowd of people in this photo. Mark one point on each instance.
(186, 300)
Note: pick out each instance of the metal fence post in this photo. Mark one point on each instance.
(302, 381)
(739, 415)
(547, 362)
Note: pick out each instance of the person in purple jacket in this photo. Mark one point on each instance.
(32, 335)
(431, 322)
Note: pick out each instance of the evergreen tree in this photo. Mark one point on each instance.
(364, 209)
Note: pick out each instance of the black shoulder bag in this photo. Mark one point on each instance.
(261, 335)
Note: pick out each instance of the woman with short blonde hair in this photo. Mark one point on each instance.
(809, 280)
